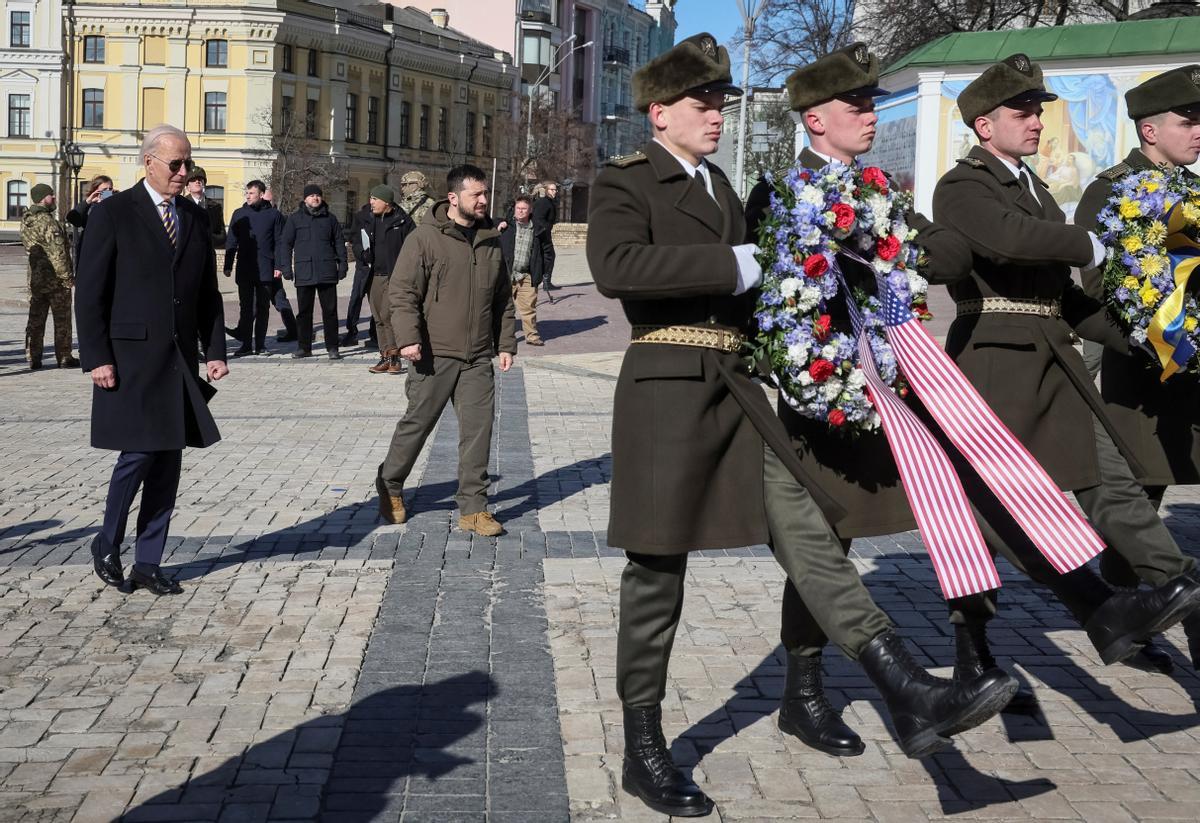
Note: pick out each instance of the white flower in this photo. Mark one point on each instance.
(811, 238)
(857, 379)
(872, 421)
(812, 196)
(829, 351)
(805, 377)
(797, 353)
(918, 286)
(882, 266)
(833, 387)
(1138, 336)
(789, 286)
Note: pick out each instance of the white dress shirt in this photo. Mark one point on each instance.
(157, 199)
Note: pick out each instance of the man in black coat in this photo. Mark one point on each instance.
(362, 280)
(196, 184)
(314, 236)
(545, 215)
(254, 231)
(386, 230)
(146, 292)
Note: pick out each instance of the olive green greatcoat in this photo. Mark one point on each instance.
(859, 472)
(1024, 365)
(686, 445)
(1160, 421)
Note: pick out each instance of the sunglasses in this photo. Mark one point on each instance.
(176, 165)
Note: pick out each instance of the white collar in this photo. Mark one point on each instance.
(702, 169)
(1015, 169)
(157, 198)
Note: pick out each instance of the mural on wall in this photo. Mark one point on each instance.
(895, 147)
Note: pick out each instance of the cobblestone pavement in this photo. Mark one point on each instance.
(323, 666)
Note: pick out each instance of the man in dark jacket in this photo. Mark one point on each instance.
(523, 255)
(545, 215)
(360, 229)
(386, 232)
(690, 472)
(451, 312)
(197, 182)
(147, 287)
(313, 236)
(253, 233)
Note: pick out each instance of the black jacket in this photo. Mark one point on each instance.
(78, 218)
(316, 242)
(141, 306)
(386, 234)
(545, 215)
(216, 219)
(253, 233)
(508, 245)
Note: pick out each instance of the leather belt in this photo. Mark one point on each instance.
(705, 337)
(1004, 305)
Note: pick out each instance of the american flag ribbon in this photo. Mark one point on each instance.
(960, 557)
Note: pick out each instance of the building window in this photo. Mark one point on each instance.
(443, 130)
(17, 192)
(351, 118)
(216, 54)
(20, 29)
(487, 134)
(287, 110)
(313, 56)
(285, 58)
(470, 132)
(373, 120)
(93, 49)
(216, 194)
(19, 120)
(405, 124)
(423, 129)
(93, 108)
(310, 119)
(214, 111)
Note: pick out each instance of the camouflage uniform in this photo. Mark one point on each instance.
(50, 281)
(417, 203)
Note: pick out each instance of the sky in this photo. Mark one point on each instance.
(720, 18)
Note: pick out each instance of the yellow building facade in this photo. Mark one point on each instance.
(274, 86)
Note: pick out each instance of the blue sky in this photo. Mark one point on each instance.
(721, 18)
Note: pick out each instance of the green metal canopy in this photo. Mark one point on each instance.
(1179, 35)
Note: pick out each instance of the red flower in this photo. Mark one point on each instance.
(874, 176)
(888, 247)
(820, 370)
(821, 327)
(815, 266)
(843, 215)
(837, 417)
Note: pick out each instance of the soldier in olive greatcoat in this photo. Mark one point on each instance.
(1159, 421)
(689, 467)
(1012, 333)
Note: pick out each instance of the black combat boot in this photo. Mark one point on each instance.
(1191, 630)
(650, 774)
(1153, 656)
(973, 657)
(925, 709)
(806, 713)
(1120, 626)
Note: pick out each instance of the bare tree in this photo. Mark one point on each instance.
(560, 147)
(791, 33)
(297, 160)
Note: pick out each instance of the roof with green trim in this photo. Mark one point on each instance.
(1179, 35)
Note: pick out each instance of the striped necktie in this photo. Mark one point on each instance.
(168, 221)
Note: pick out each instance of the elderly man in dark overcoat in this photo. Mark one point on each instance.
(1012, 333)
(146, 293)
(689, 466)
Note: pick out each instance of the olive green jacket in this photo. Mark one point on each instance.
(1024, 365)
(45, 238)
(859, 472)
(688, 422)
(1159, 421)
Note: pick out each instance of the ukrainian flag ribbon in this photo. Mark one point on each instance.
(1166, 332)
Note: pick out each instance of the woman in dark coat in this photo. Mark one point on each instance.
(314, 237)
(99, 189)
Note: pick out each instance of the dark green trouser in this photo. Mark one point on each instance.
(433, 382)
(381, 310)
(804, 545)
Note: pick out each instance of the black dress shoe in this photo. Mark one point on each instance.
(153, 581)
(300, 353)
(1153, 657)
(805, 712)
(973, 656)
(286, 337)
(649, 773)
(350, 338)
(243, 350)
(106, 559)
(234, 333)
(1119, 628)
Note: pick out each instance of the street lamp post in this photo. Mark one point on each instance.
(750, 9)
(74, 156)
(545, 75)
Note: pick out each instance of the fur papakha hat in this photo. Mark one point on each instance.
(1013, 81)
(1177, 90)
(852, 71)
(693, 66)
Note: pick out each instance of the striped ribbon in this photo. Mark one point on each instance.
(168, 221)
(1166, 333)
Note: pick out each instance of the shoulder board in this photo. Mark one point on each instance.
(1116, 172)
(622, 161)
(973, 162)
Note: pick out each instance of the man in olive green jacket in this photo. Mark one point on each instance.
(51, 278)
(1158, 421)
(451, 312)
(1012, 335)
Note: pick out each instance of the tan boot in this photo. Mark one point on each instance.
(385, 362)
(481, 523)
(395, 363)
(391, 506)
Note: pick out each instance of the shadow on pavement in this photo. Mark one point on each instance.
(388, 751)
(558, 329)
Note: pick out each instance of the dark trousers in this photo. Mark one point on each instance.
(432, 383)
(358, 293)
(327, 292)
(547, 260)
(381, 312)
(804, 545)
(254, 302)
(157, 473)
